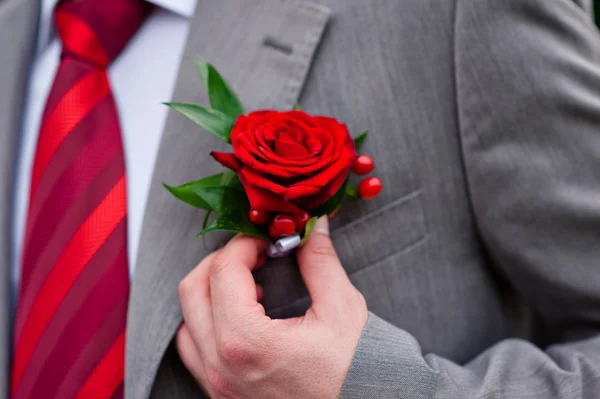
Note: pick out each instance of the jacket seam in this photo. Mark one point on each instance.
(459, 124)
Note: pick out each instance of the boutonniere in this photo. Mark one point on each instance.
(285, 170)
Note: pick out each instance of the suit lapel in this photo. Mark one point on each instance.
(264, 48)
(18, 20)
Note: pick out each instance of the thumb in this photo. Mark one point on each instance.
(321, 269)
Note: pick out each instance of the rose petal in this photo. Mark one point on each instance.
(239, 127)
(301, 116)
(312, 165)
(271, 157)
(264, 200)
(247, 155)
(284, 130)
(266, 121)
(261, 113)
(256, 119)
(311, 162)
(339, 132)
(268, 156)
(227, 159)
(301, 191)
(242, 153)
(315, 183)
(289, 149)
(314, 146)
(326, 193)
(280, 127)
(257, 180)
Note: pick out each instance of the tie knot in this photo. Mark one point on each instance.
(97, 30)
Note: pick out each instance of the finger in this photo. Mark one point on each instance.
(232, 287)
(196, 307)
(250, 251)
(190, 354)
(262, 259)
(321, 269)
(262, 255)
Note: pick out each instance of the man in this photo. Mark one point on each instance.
(483, 117)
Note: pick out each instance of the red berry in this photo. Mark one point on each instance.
(363, 165)
(259, 217)
(282, 225)
(369, 188)
(301, 221)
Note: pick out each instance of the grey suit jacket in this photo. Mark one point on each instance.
(485, 126)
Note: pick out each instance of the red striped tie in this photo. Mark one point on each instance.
(71, 312)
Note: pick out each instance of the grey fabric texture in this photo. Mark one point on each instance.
(484, 120)
(528, 93)
(587, 5)
(18, 20)
(388, 364)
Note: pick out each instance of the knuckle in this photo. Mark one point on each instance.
(218, 383)
(184, 289)
(324, 249)
(180, 337)
(188, 285)
(357, 300)
(218, 264)
(233, 351)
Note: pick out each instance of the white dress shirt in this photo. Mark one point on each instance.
(141, 78)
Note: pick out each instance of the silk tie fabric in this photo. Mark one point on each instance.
(69, 336)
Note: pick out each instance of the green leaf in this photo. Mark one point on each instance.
(187, 194)
(220, 94)
(358, 141)
(184, 194)
(202, 71)
(224, 199)
(205, 222)
(230, 179)
(310, 225)
(222, 193)
(236, 223)
(233, 208)
(332, 204)
(297, 106)
(209, 119)
(351, 191)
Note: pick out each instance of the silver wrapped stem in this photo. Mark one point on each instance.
(283, 246)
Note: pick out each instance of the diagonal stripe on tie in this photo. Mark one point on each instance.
(79, 38)
(71, 109)
(105, 380)
(68, 67)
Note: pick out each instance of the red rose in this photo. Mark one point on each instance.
(288, 161)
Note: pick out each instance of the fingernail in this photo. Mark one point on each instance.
(322, 225)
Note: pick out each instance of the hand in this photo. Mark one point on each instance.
(235, 351)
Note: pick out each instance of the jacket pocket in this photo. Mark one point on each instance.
(382, 233)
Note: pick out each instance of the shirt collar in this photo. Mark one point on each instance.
(184, 8)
